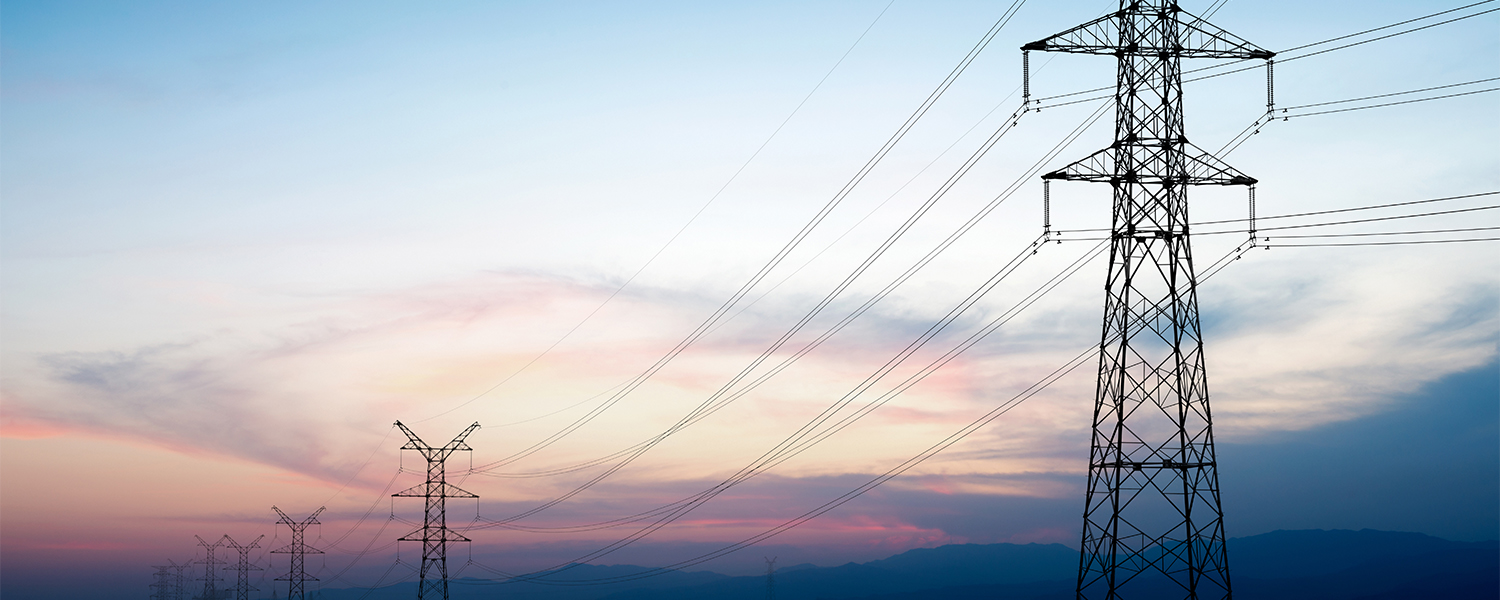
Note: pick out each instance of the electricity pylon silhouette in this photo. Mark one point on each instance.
(162, 583)
(210, 564)
(179, 579)
(1153, 524)
(242, 568)
(434, 533)
(771, 578)
(296, 573)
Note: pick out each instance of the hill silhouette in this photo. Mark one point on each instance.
(1281, 565)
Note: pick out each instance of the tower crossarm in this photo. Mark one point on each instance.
(1184, 36)
(413, 441)
(1156, 165)
(433, 535)
(432, 489)
(310, 520)
(440, 453)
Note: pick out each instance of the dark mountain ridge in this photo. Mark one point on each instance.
(1284, 565)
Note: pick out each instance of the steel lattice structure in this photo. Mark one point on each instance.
(242, 567)
(434, 533)
(179, 579)
(163, 584)
(1153, 524)
(210, 564)
(296, 574)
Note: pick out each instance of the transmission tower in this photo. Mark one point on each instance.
(179, 579)
(242, 568)
(434, 533)
(163, 584)
(1153, 525)
(296, 574)
(771, 578)
(210, 564)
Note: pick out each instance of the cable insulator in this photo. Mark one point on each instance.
(1252, 214)
(1270, 85)
(1025, 78)
(1046, 206)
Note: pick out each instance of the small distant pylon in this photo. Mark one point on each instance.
(771, 578)
(210, 564)
(162, 583)
(434, 533)
(296, 575)
(179, 579)
(242, 568)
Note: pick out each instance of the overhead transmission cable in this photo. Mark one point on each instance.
(689, 222)
(985, 211)
(799, 442)
(728, 388)
(802, 234)
(952, 439)
(1334, 211)
(1280, 60)
(779, 458)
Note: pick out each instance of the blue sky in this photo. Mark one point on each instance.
(237, 241)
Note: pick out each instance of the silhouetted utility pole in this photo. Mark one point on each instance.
(162, 583)
(296, 574)
(210, 564)
(1153, 525)
(432, 578)
(771, 578)
(179, 579)
(243, 567)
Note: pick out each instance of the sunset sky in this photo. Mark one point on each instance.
(239, 240)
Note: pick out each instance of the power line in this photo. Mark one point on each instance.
(1329, 112)
(1385, 233)
(1284, 60)
(951, 239)
(1322, 212)
(765, 270)
(689, 222)
(1404, 243)
(1429, 89)
(1370, 220)
(802, 443)
(803, 322)
(947, 442)
(797, 443)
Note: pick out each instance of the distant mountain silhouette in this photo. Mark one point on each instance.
(1281, 565)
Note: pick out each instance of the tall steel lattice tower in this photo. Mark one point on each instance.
(1153, 526)
(434, 533)
(242, 567)
(296, 573)
(210, 564)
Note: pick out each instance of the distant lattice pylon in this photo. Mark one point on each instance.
(179, 579)
(296, 575)
(162, 583)
(210, 564)
(242, 567)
